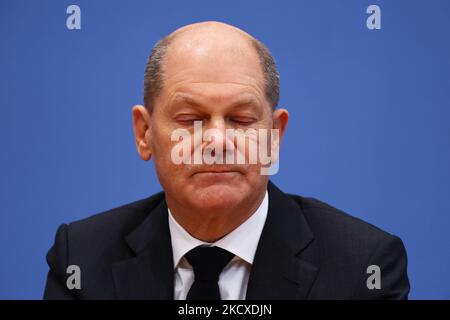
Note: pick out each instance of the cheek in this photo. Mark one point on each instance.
(161, 146)
(161, 142)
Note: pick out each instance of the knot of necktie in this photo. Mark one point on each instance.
(208, 263)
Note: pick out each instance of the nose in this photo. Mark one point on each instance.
(215, 134)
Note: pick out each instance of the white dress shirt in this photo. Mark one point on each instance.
(242, 242)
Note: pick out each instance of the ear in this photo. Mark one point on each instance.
(280, 120)
(142, 131)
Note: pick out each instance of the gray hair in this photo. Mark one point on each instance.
(153, 75)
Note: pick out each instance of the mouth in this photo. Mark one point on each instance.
(212, 177)
(212, 172)
(217, 171)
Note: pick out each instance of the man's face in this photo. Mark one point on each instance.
(220, 83)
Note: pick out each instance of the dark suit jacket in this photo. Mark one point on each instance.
(307, 250)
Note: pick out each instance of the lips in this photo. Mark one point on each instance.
(217, 170)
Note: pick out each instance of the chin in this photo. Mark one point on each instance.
(218, 196)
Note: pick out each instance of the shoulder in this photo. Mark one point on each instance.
(323, 217)
(103, 234)
(336, 231)
(345, 247)
(117, 221)
(93, 244)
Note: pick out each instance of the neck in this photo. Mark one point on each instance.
(209, 225)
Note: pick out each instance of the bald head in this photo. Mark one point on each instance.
(205, 50)
(210, 30)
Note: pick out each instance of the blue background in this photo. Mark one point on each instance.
(369, 131)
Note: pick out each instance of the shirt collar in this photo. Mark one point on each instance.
(242, 241)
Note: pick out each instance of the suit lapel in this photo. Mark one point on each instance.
(149, 274)
(279, 270)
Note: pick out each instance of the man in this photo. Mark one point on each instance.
(220, 230)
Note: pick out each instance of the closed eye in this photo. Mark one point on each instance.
(243, 120)
(188, 119)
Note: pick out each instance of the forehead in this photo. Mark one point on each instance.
(215, 59)
(198, 95)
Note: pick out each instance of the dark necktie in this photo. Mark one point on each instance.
(208, 263)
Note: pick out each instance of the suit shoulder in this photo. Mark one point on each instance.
(116, 222)
(334, 225)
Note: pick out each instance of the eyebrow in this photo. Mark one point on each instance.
(184, 99)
